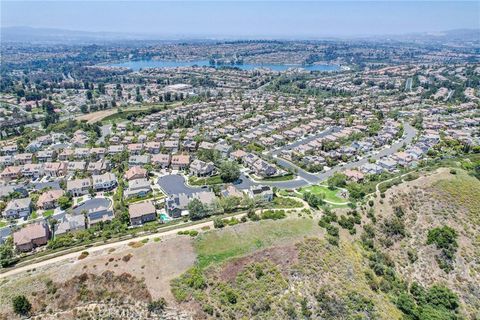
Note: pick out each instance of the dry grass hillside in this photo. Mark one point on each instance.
(443, 198)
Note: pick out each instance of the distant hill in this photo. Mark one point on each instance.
(51, 35)
(42, 35)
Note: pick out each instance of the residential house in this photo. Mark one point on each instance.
(11, 173)
(387, 164)
(135, 173)
(231, 191)
(354, 175)
(76, 166)
(70, 223)
(115, 149)
(18, 208)
(138, 160)
(6, 161)
(180, 161)
(49, 199)
(201, 168)
(33, 170)
(82, 153)
(55, 169)
(66, 154)
(99, 214)
(138, 188)
(176, 205)
(263, 168)
(104, 182)
(79, 187)
(135, 148)
(263, 192)
(31, 236)
(142, 212)
(171, 145)
(152, 147)
(97, 153)
(238, 155)
(22, 158)
(98, 167)
(161, 160)
(46, 155)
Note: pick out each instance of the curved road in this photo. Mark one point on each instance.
(313, 178)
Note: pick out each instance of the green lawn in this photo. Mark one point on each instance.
(330, 195)
(34, 215)
(194, 181)
(219, 246)
(2, 223)
(48, 213)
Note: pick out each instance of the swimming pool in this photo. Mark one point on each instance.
(164, 217)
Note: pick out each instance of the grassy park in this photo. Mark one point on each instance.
(328, 194)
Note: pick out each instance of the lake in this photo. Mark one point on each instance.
(144, 64)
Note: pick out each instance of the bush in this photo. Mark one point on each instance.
(157, 305)
(394, 228)
(445, 239)
(83, 255)
(218, 223)
(274, 215)
(21, 305)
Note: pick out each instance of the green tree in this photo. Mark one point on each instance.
(197, 210)
(21, 305)
(6, 255)
(64, 202)
(229, 171)
(338, 180)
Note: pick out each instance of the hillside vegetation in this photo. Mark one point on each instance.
(401, 256)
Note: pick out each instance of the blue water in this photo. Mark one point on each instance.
(144, 64)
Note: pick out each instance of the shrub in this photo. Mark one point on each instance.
(83, 255)
(394, 228)
(445, 239)
(274, 215)
(218, 223)
(157, 305)
(21, 305)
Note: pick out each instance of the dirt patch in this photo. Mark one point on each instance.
(282, 257)
(155, 264)
(96, 116)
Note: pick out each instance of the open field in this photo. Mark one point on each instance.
(216, 247)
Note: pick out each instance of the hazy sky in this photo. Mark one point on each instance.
(245, 18)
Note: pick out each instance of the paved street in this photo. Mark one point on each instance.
(409, 134)
(174, 183)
